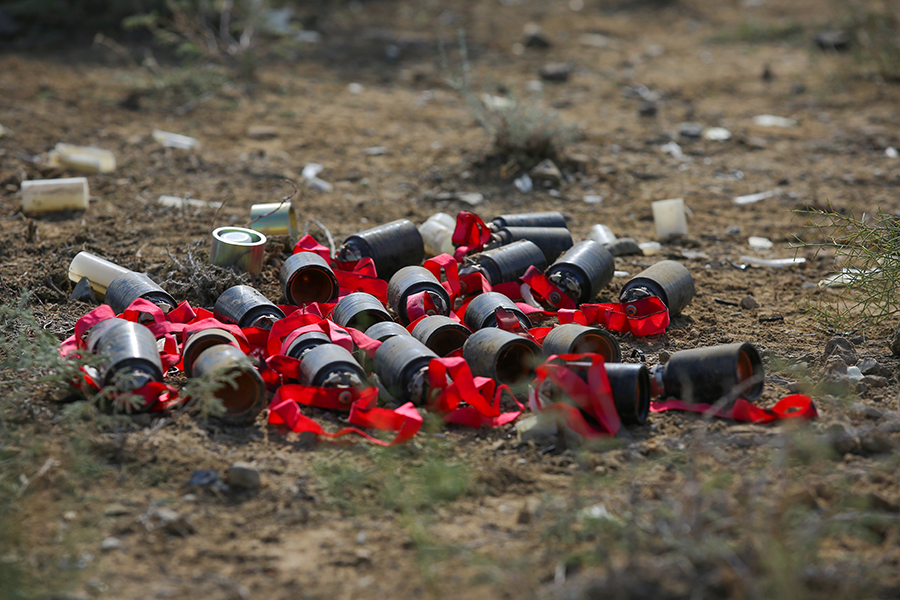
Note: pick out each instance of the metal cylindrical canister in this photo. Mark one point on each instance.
(132, 357)
(630, 385)
(241, 390)
(552, 241)
(246, 307)
(482, 311)
(624, 247)
(508, 263)
(442, 334)
(330, 365)
(707, 375)
(501, 355)
(392, 246)
(359, 310)
(583, 271)
(534, 219)
(385, 329)
(198, 341)
(412, 280)
(572, 338)
(401, 364)
(274, 218)
(239, 247)
(307, 277)
(125, 289)
(670, 281)
(297, 347)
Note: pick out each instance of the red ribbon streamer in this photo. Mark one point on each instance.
(795, 406)
(648, 316)
(471, 234)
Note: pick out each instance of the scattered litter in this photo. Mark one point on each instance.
(262, 132)
(310, 174)
(891, 152)
(669, 218)
(177, 202)
(775, 263)
(754, 198)
(596, 40)
(437, 234)
(691, 131)
(623, 247)
(759, 243)
(557, 72)
(3, 131)
(375, 151)
(854, 374)
(174, 140)
(650, 248)
(621, 274)
(53, 195)
(593, 199)
(497, 103)
(716, 134)
(524, 183)
(535, 85)
(673, 149)
(547, 173)
(844, 278)
(726, 302)
(82, 158)
(602, 234)
(470, 198)
(773, 121)
(355, 88)
(308, 36)
(167, 520)
(695, 255)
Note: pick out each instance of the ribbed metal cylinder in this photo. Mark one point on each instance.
(398, 362)
(630, 385)
(359, 310)
(670, 281)
(132, 358)
(533, 219)
(572, 338)
(303, 342)
(246, 307)
(412, 280)
(441, 334)
(330, 365)
(242, 390)
(508, 263)
(306, 277)
(707, 375)
(482, 311)
(125, 289)
(391, 246)
(501, 355)
(385, 329)
(198, 341)
(589, 265)
(552, 241)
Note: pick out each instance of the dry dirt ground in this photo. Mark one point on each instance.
(683, 507)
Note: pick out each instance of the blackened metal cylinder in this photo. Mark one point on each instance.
(385, 329)
(508, 263)
(670, 281)
(441, 334)
(306, 277)
(533, 219)
(330, 365)
(401, 363)
(501, 355)
(630, 385)
(573, 338)
(412, 280)
(552, 241)
(583, 271)
(132, 358)
(707, 375)
(359, 310)
(241, 389)
(482, 311)
(198, 341)
(125, 289)
(391, 246)
(246, 307)
(303, 342)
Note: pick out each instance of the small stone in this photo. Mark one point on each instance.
(534, 37)
(691, 131)
(733, 230)
(262, 132)
(838, 346)
(69, 515)
(110, 543)
(624, 247)
(835, 366)
(895, 342)
(748, 302)
(868, 366)
(842, 440)
(875, 381)
(877, 443)
(835, 40)
(375, 151)
(648, 109)
(83, 292)
(856, 340)
(243, 476)
(558, 72)
(169, 521)
(861, 409)
(116, 510)
(546, 171)
(664, 357)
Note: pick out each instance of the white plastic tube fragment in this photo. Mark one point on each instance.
(100, 272)
(437, 233)
(82, 158)
(669, 218)
(602, 234)
(52, 195)
(174, 140)
(775, 263)
(176, 202)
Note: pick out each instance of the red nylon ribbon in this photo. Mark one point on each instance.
(795, 406)
(470, 235)
(545, 291)
(464, 399)
(354, 276)
(650, 316)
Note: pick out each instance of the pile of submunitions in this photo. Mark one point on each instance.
(379, 332)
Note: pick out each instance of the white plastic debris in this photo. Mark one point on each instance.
(775, 263)
(716, 134)
(759, 243)
(773, 121)
(355, 88)
(99, 271)
(174, 140)
(437, 233)
(596, 40)
(310, 173)
(854, 374)
(650, 248)
(890, 151)
(375, 151)
(497, 103)
(51, 195)
(86, 159)
(844, 278)
(669, 218)
(593, 199)
(754, 198)
(673, 149)
(621, 274)
(176, 202)
(524, 183)
(602, 234)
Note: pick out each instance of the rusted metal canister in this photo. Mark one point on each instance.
(401, 364)
(125, 289)
(246, 307)
(413, 280)
(533, 219)
(482, 311)
(501, 355)
(359, 310)
(198, 341)
(330, 365)
(668, 280)
(582, 271)
(552, 241)
(303, 342)
(385, 329)
(623, 247)
(507, 263)
(630, 383)
(391, 246)
(242, 390)
(572, 338)
(131, 353)
(307, 277)
(441, 334)
(707, 375)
